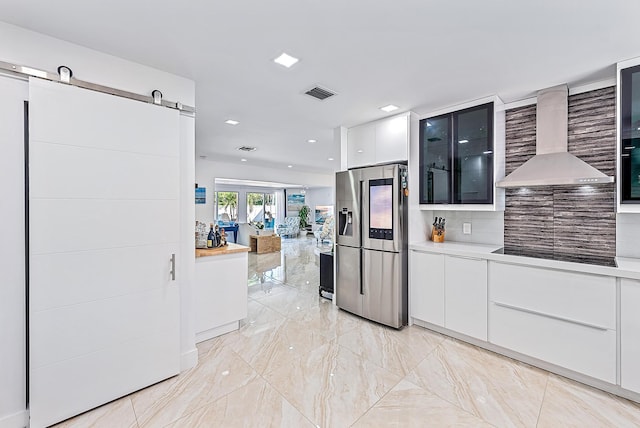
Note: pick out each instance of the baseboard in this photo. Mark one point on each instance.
(217, 331)
(188, 359)
(16, 420)
(577, 376)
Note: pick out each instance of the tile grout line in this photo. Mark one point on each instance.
(457, 405)
(544, 396)
(285, 398)
(217, 399)
(222, 396)
(135, 414)
(378, 400)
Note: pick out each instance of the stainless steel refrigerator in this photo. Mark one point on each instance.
(371, 244)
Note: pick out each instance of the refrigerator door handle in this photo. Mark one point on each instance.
(361, 272)
(361, 213)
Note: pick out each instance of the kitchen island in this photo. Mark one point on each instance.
(579, 320)
(220, 298)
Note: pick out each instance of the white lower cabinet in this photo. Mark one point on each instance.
(426, 281)
(564, 318)
(465, 298)
(630, 334)
(220, 294)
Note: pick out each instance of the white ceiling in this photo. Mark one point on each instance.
(417, 54)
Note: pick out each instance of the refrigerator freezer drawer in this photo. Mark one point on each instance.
(348, 283)
(384, 287)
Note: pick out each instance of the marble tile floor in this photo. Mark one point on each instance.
(298, 361)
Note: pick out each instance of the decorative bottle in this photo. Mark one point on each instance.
(218, 239)
(211, 238)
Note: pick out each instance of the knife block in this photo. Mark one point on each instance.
(435, 237)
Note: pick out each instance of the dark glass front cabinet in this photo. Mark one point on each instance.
(456, 157)
(630, 135)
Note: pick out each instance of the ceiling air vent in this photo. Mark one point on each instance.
(320, 93)
(247, 149)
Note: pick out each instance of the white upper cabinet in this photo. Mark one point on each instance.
(461, 156)
(392, 139)
(382, 141)
(361, 145)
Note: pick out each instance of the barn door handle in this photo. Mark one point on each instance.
(172, 272)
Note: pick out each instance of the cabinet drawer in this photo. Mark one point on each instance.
(584, 349)
(589, 299)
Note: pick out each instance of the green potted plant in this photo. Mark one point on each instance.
(304, 215)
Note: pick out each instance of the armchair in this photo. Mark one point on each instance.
(326, 232)
(291, 226)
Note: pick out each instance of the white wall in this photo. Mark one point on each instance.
(31, 49)
(36, 50)
(319, 196)
(487, 227)
(207, 171)
(628, 235)
(12, 250)
(189, 357)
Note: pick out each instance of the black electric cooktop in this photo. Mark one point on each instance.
(563, 257)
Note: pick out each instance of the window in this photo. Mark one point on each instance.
(227, 206)
(270, 210)
(255, 207)
(261, 209)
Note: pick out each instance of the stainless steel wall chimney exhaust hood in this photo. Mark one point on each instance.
(553, 164)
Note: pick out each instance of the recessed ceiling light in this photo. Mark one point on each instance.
(231, 122)
(463, 141)
(243, 160)
(330, 159)
(311, 141)
(289, 166)
(285, 60)
(389, 108)
(360, 151)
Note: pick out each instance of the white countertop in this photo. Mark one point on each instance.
(454, 248)
(627, 267)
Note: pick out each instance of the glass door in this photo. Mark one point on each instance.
(630, 135)
(473, 155)
(435, 160)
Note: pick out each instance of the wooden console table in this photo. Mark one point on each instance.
(264, 243)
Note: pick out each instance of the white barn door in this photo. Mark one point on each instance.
(104, 214)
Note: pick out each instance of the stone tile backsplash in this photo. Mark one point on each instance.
(565, 218)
